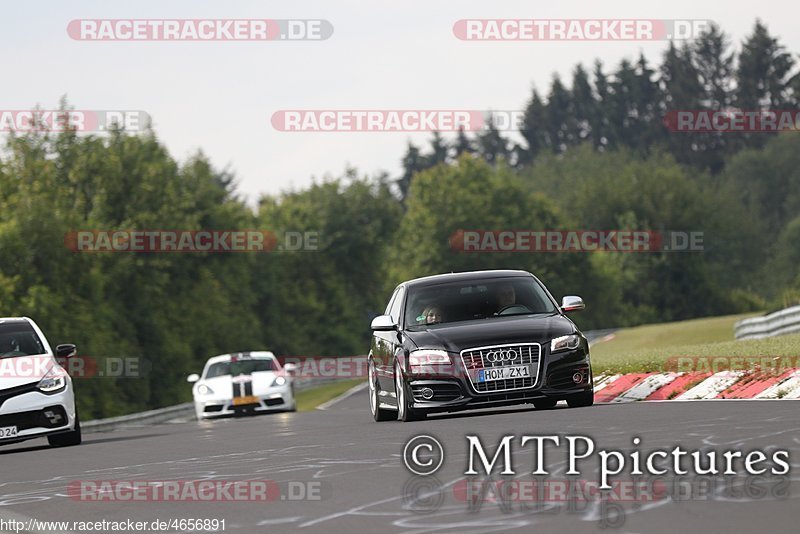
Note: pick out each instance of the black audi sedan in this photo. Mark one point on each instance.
(475, 340)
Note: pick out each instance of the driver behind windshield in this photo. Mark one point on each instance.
(9, 347)
(506, 296)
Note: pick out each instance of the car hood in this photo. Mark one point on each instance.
(21, 370)
(223, 385)
(456, 337)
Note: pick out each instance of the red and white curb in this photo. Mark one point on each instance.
(697, 386)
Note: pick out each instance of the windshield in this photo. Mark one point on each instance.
(19, 339)
(475, 299)
(240, 367)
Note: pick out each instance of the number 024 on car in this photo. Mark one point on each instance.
(502, 373)
(8, 431)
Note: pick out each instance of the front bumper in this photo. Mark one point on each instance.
(455, 391)
(276, 399)
(37, 414)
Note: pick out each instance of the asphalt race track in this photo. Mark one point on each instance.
(362, 484)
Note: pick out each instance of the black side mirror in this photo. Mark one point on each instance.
(66, 350)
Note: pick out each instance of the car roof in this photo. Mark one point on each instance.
(264, 354)
(469, 275)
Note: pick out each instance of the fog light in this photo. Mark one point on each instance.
(577, 378)
(53, 417)
(427, 393)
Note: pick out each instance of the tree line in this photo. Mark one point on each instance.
(627, 108)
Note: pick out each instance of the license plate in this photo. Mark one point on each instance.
(8, 432)
(503, 373)
(239, 401)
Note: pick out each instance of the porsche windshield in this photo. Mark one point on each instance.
(240, 367)
(475, 299)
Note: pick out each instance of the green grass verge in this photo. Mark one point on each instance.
(309, 399)
(650, 347)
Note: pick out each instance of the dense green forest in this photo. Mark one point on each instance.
(593, 154)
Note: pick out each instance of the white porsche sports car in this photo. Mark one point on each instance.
(242, 383)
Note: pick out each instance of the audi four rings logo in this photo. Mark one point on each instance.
(501, 356)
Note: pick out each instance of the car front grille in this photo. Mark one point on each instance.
(6, 394)
(478, 358)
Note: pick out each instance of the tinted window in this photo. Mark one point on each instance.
(19, 339)
(240, 367)
(475, 299)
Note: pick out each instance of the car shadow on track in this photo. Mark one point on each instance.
(85, 443)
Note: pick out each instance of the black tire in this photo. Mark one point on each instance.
(581, 400)
(67, 439)
(379, 414)
(545, 404)
(294, 400)
(405, 412)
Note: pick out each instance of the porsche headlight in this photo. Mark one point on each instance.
(279, 381)
(55, 380)
(569, 342)
(203, 389)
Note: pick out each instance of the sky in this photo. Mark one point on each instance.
(219, 96)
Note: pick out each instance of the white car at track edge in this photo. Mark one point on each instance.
(243, 383)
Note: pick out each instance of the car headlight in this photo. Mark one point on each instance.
(571, 341)
(54, 380)
(279, 381)
(203, 389)
(428, 357)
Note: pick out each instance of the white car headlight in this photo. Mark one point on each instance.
(428, 357)
(571, 341)
(203, 389)
(279, 381)
(54, 380)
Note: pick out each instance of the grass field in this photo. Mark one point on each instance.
(647, 348)
(309, 399)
